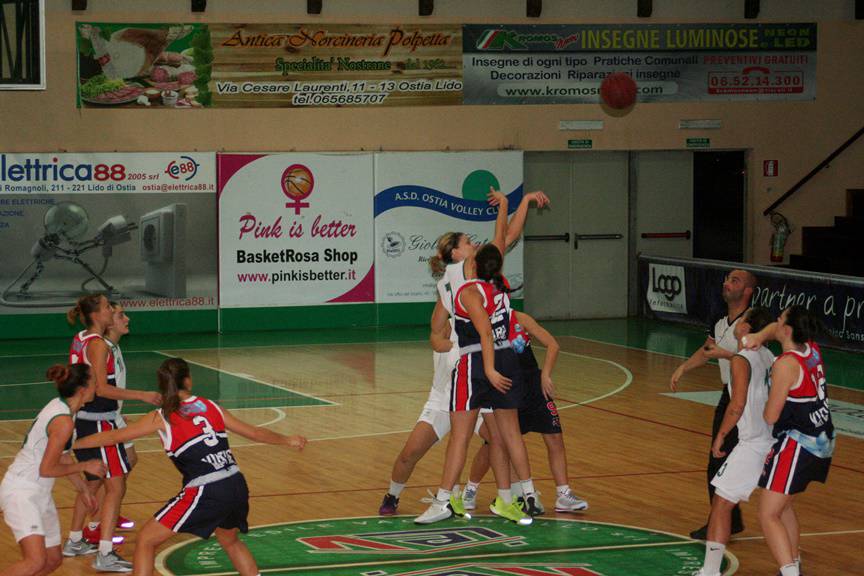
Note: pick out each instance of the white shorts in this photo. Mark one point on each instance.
(121, 423)
(30, 511)
(739, 475)
(440, 419)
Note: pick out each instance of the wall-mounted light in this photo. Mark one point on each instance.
(644, 8)
(79, 5)
(533, 8)
(751, 9)
(425, 7)
(313, 6)
(199, 5)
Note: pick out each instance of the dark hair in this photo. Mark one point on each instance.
(805, 326)
(69, 379)
(171, 373)
(84, 308)
(759, 318)
(489, 262)
(444, 247)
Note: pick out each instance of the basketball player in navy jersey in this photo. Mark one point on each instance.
(214, 497)
(89, 347)
(738, 288)
(434, 422)
(803, 431)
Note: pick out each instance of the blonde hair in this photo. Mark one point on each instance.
(445, 245)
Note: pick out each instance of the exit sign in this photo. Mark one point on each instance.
(698, 142)
(581, 144)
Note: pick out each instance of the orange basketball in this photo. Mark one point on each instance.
(618, 90)
(297, 181)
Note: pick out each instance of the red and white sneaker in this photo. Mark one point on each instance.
(93, 536)
(124, 523)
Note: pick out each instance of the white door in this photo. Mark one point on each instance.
(576, 252)
(664, 203)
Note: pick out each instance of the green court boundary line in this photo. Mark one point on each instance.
(732, 568)
(258, 381)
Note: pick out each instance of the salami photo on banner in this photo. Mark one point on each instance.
(419, 197)
(295, 229)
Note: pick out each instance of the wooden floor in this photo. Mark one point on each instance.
(636, 455)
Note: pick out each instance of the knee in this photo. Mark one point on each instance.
(35, 564)
(53, 563)
(226, 538)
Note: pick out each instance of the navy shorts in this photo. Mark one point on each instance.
(200, 510)
(114, 456)
(470, 389)
(537, 414)
(789, 468)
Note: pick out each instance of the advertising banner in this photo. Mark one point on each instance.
(838, 301)
(565, 64)
(419, 197)
(115, 223)
(268, 65)
(295, 229)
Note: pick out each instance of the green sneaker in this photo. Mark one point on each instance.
(457, 505)
(510, 511)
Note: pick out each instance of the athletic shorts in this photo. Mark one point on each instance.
(470, 389)
(440, 420)
(537, 414)
(200, 510)
(121, 423)
(114, 456)
(789, 468)
(29, 510)
(739, 474)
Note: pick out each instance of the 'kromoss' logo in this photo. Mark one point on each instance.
(483, 546)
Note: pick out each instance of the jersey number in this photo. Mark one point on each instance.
(210, 439)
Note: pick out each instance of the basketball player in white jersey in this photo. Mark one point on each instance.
(25, 494)
(738, 288)
(739, 475)
(454, 255)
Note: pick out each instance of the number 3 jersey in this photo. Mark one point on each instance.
(196, 441)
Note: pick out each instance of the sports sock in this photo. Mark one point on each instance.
(76, 535)
(105, 547)
(505, 495)
(395, 488)
(443, 495)
(790, 570)
(562, 490)
(713, 557)
(528, 487)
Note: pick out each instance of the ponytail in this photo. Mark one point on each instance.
(83, 309)
(171, 374)
(69, 379)
(444, 247)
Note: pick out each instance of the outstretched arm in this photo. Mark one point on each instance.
(517, 221)
(698, 358)
(496, 198)
(144, 426)
(54, 464)
(259, 434)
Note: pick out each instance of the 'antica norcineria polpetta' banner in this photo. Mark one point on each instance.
(268, 65)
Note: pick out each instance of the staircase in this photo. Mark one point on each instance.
(835, 249)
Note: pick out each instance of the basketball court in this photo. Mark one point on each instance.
(636, 453)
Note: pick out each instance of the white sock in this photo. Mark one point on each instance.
(713, 557)
(76, 536)
(562, 490)
(475, 486)
(505, 495)
(528, 487)
(395, 488)
(105, 547)
(516, 489)
(798, 562)
(790, 570)
(93, 525)
(443, 495)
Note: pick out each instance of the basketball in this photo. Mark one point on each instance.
(297, 181)
(618, 91)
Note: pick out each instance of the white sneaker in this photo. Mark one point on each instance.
(111, 562)
(469, 498)
(436, 512)
(569, 502)
(80, 548)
